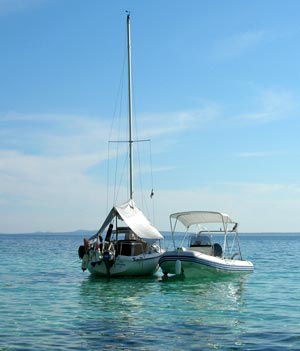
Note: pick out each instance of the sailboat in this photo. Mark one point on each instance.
(126, 244)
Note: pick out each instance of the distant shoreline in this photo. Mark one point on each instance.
(88, 233)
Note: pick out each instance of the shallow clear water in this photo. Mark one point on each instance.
(48, 303)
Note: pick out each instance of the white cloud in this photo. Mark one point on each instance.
(52, 134)
(44, 167)
(155, 125)
(55, 134)
(258, 207)
(44, 193)
(9, 6)
(255, 154)
(273, 105)
(44, 170)
(50, 189)
(239, 44)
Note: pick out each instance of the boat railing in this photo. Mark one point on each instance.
(231, 245)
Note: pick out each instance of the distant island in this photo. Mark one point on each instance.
(81, 232)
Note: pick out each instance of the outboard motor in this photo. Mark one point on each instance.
(81, 251)
(84, 249)
(217, 250)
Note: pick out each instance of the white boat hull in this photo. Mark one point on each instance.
(193, 263)
(140, 265)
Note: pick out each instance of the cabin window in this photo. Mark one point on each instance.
(131, 248)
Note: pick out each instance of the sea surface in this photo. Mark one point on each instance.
(48, 303)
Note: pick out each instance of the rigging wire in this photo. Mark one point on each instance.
(152, 184)
(117, 109)
(125, 166)
(143, 195)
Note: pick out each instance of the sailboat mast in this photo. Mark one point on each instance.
(130, 108)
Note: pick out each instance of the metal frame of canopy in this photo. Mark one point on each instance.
(191, 218)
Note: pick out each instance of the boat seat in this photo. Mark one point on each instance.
(217, 250)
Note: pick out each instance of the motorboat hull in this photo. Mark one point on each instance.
(193, 263)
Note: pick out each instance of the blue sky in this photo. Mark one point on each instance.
(216, 89)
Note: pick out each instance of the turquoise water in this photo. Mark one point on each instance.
(48, 303)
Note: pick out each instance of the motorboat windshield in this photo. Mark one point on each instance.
(200, 239)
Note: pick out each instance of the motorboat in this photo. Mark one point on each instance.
(208, 244)
(126, 244)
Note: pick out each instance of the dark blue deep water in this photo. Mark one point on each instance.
(48, 303)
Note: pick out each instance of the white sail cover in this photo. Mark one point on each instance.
(135, 220)
(197, 217)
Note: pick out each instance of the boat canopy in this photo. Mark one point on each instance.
(200, 217)
(135, 220)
